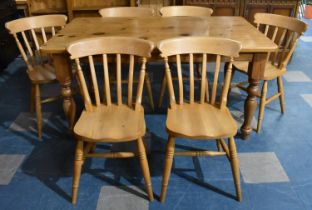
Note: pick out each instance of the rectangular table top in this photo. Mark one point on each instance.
(159, 28)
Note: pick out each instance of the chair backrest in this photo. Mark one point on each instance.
(126, 12)
(204, 48)
(31, 32)
(130, 50)
(284, 31)
(171, 11)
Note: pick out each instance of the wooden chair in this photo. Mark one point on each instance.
(39, 68)
(126, 12)
(132, 12)
(171, 11)
(285, 32)
(202, 119)
(103, 120)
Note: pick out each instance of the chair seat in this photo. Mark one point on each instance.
(111, 124)
(201, 121)
(42, 74)
(271, 71)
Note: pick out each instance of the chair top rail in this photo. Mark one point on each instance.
(28, 23)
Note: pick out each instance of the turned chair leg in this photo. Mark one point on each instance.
(38, 111)
(32, 98)
(262, 105)
(145, 169)
(167, 168)
(149, 91)
(235, 168)
(281, 91)
(162, 91)
(77, 170)
(87, 149)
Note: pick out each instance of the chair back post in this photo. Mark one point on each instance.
(84, 87)
(140, 84)
(121, 49)
(194, 47)
(226, 85)
(170, 84)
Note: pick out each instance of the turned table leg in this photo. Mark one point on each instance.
(63, 73)
(255, 73)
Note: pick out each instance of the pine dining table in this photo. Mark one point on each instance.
(255, 47)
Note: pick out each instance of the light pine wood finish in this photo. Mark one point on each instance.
(126, 12)
(179, 11)
(289, 30)
(156, 29)
(106, 120)
(198, 117)
(132, 12)
(254, 46)
(39, 69)
(172, 11)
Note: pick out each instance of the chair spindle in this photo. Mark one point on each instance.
(34, 36)
(215, 80)
(106, 81)
(94, 81)
(130, 82)
(53, 30)
(204, 81)
(191, 63)
(266, 30)
(180, 79)
(119, 85)
(279, 43)
(44, 35)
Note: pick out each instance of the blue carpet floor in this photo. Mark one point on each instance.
(276, 165)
